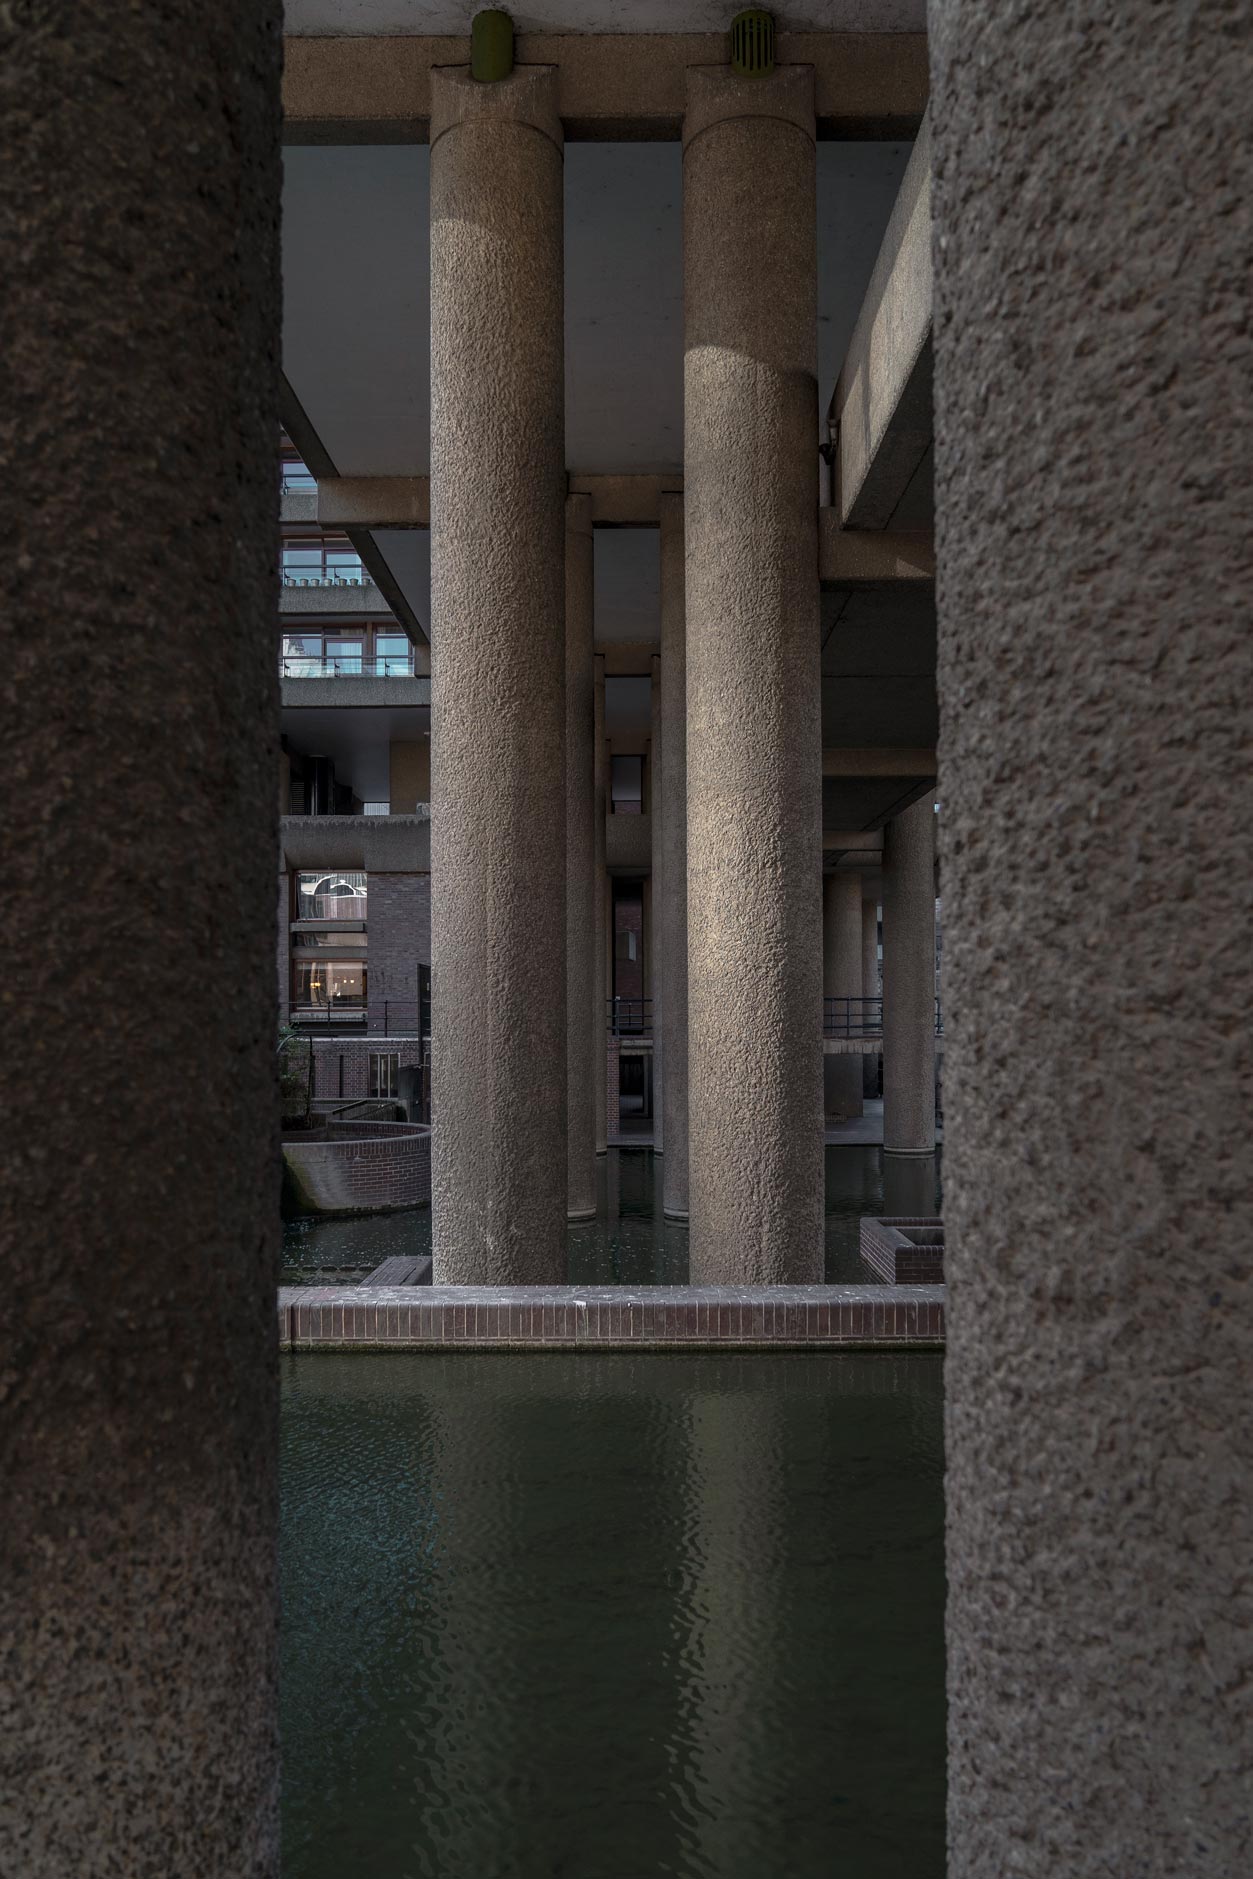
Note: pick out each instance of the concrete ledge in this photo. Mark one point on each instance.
(324, 694)
(378, 844)
(574, 1317)
(361, 1167)
(334, 601)
(904, 1250)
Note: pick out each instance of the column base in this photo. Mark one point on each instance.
(909, 1151)
(670, 1213)
(583, 1213)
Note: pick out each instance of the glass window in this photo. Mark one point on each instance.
(301, 655)
(393, 655)
(343, 657)
(330, 984)
(384, 1072)
(322, 896)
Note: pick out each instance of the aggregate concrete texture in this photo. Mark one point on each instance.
(600, 934)
(655, 890)
(498, 657)
(585, 1028)
(869, 985)
(754, 744)
(1094, 359)
(139, 321)
(841, 978)
(674, 1173)
(909, 980)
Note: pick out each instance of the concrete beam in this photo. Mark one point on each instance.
(377, 844)
(356, 693)
(327, 601)
(627, 501)
(871, 558)
(849, 841)
(628, 658)
(613, 87)
(881, 413)
(885, 761)
(374, 502)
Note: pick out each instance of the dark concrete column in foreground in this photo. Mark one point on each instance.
(909, 981)
(841, 978)
(583, 991)
(1095, 678)
(659, 889)
(498, 836)
(754, 746)
(139, 323)
(870, 986)
(600, 936)
(674, 855)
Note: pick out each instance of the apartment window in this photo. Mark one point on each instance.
(343, 657)
(301, 656)
(335, 896)
(330, 984)
(393, 655)
(384, 1072)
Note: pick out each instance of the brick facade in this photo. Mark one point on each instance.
(904, 1250)
(398, 925)
(361, 1167)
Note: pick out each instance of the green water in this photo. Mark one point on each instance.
(602, 1617)
(629, 1242)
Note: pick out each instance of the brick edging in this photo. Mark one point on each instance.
(654, 1318)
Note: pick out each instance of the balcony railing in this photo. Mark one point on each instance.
(630, 1017)
(381, 1017)
(300, 665)
(349, 574)
(861, 1017)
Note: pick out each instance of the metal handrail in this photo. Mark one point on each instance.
(629, 1017)
(298, 665)
(861, 1017)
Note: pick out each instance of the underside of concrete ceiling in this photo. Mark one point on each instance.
(600, 16)
(358, 741)
(356, 237)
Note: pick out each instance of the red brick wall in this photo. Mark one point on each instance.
(365, 1167)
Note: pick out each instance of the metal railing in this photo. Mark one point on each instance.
(297, 482)
(343, 574)
(299, 665)
(861, 1017)
(379, 1017)
(630, 1017)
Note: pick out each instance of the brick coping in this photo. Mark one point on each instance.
(577, 1317)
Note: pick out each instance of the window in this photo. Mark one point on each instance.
(322, 896)
(393, 655)
(301, 655)
(330, 985)
(384, 1072)
(343, 657)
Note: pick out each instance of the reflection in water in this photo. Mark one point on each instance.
(629, 1242)
(609, 1616)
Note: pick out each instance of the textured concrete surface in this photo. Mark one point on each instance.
(409, 775)
(674, 1177)
(870, 984)
(657, 888)
(498, 657)
(754, 752)
(909, 980)
(881, 410)
(841, 978)
(585, 1030)
(1094, 359)
(139, 317)
(379, 844)
(601, 973)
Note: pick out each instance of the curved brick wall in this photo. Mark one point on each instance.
(361, 1167)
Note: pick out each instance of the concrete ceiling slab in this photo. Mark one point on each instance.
(600, 16)
(357, 741)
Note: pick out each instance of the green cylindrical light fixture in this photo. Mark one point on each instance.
(752, 43)
(491, 45)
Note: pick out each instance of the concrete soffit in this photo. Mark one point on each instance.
(613, 87)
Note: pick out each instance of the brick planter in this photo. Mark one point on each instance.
(904, 1251)
(360, 1167)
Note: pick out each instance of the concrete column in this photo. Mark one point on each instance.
(870, 987)
(656, 936)
(600, 757)
(498, 837)
(909, 981)
(841, 978)
(582, 988)
(1095, 677)
(754, 747)
(139, 190)
(674, 856)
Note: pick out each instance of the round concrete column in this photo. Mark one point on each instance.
(754, 747)
(582, 990)
(1095, 677)
(841, 978)
(674, 856)
(870, 987)
(139, 189)
(909, 981)
(656, 935)
(498, 837)
(600, 937)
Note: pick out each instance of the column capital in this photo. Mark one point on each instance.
(716, 95)
(528, 97)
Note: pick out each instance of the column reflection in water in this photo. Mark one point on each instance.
(613, 1615)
